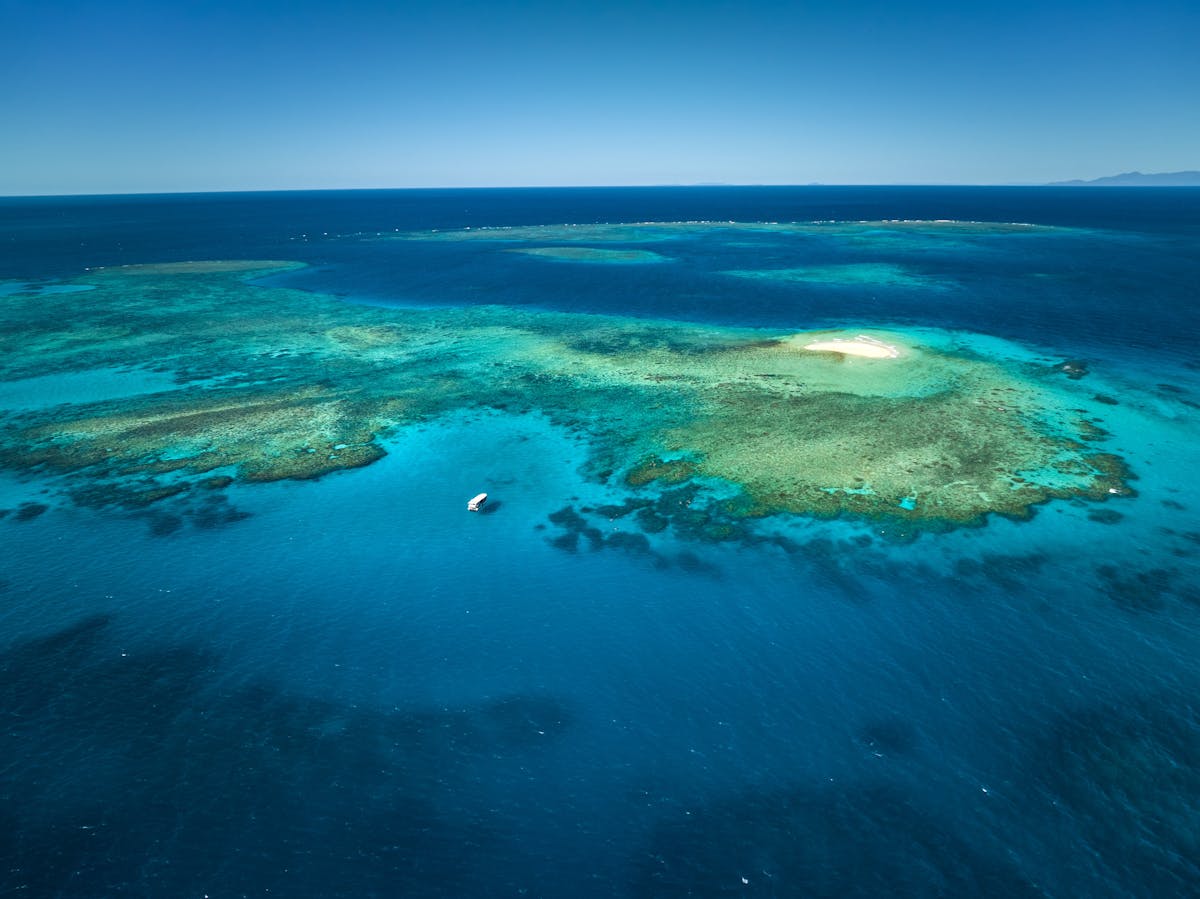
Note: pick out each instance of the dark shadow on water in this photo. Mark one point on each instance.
(1127, 775)
(29, 511)
(836, 843)
(693, 564)
(216, 512)
(1008, 571)
(132, 771)
(163, 524)
(35, 672)
(1146, 590)
(889, 737)
(211, 511)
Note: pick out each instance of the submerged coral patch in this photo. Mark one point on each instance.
(594, 254)
(204, 267)
(859, 274)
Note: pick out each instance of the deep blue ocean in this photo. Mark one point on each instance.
(360, 690)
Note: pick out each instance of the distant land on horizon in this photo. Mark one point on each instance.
(1137, 179)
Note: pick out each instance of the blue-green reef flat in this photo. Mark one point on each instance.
(839, 542)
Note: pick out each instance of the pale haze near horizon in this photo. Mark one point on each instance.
(132, 97)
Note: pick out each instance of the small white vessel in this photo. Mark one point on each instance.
(474, 504)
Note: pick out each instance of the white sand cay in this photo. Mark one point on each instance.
(859, 346)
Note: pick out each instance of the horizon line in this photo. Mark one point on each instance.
(533, 187)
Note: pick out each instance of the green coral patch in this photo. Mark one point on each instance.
(667, 471)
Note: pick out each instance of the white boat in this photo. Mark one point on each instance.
(475, 503)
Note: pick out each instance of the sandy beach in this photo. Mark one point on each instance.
(862, 345)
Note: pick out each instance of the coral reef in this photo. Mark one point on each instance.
(268, 383)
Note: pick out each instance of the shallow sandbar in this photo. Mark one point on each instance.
(867, 347)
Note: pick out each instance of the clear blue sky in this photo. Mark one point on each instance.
(112, 96)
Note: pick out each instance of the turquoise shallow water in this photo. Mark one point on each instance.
(353, 687)
(92, 386)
